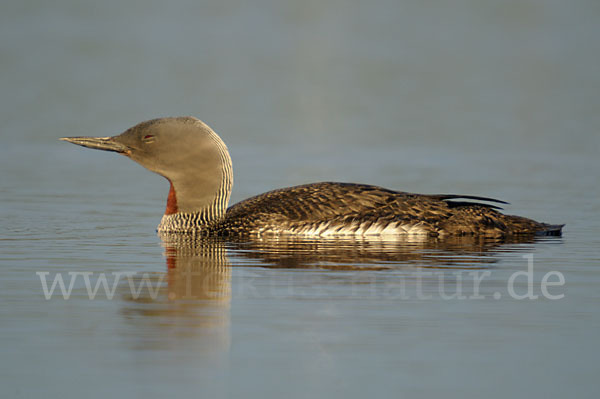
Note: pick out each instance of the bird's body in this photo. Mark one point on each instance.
(197, 164)
(331, 209)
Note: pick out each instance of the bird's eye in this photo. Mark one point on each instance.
(148, 138)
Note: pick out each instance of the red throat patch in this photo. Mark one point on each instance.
(171, 201)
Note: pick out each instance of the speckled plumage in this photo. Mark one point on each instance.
(345, 209)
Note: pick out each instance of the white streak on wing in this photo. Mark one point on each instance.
(357, 230)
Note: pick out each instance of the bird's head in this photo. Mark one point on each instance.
(183, 149)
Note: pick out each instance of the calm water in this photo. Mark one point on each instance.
(487, 98)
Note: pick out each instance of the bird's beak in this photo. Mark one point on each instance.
(99, 143)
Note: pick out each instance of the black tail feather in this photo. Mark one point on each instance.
(454, 204)
(444, 197)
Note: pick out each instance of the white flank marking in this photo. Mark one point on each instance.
(391, 231)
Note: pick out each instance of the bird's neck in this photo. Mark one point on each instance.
(199, 199)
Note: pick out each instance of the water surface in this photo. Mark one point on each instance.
(485, 98)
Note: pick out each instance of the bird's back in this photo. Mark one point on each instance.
(337, 209)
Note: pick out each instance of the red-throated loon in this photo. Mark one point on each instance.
(197, 164)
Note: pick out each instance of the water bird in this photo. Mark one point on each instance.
(196, 162)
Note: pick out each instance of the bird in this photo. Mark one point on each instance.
(197, 164)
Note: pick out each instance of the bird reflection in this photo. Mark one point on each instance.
(360, 254)
(191, 299)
